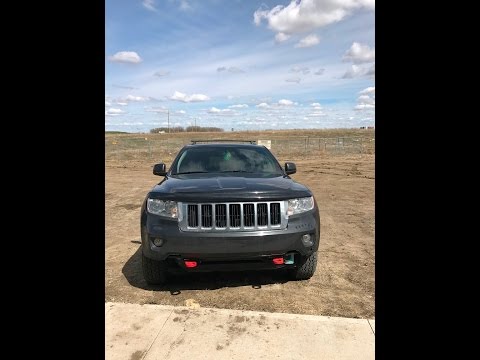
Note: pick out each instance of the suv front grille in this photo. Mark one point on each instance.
(233, 216)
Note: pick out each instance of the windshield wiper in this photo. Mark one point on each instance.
(191, 172)
(234, 171)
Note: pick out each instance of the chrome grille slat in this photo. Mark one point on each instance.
(262, 219)
(220, 215)
(206, 215)
(192, 216)
(248, 215)
(235, 216)
(275, 213)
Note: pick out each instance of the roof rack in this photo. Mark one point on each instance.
(224, 140)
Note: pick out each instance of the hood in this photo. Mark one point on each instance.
(226, 188)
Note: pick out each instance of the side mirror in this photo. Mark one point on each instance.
(160, 169)
(290, 168)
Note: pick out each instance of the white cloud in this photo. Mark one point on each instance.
(149, 4)
(316, 114)
(125, 57)
(315, 104)
(113, 112)
(305, 70)
(184, 5)
(107, 103)
(308, 41)
(161, 73)
(285, 102)
(319, 71)
(238, 106)
(262, 106)
(281, 37)
(366, 102)
(122, 103)
(307, 15)
(293, 79)
(180, 112)
(136, 98)
(178, 96)
(214, 110)
(368, 90)
(354, 71)
(364, 107)
(359, 54)
(365, 99)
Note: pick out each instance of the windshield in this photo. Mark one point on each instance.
(228, 159)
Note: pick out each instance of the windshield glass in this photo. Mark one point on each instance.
(228, 159)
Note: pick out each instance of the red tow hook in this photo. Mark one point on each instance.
(190, 263)
(278, 260)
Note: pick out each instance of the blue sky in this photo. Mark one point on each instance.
(239, 64)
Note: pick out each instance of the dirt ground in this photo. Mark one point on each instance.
(343, 285)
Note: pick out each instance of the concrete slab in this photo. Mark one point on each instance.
(150, 332)
(130, 330)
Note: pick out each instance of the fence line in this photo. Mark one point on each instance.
(130, 148)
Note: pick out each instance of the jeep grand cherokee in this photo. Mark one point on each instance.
(228, 206)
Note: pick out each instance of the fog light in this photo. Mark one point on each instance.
(307, 240)
(158, 242)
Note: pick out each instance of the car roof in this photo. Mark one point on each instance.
(220, 144)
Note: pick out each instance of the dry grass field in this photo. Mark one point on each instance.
(337, 165)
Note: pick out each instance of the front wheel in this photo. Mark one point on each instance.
(307, 269)
(154, 272)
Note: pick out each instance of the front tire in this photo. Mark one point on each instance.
(154, 272)
(307, 269)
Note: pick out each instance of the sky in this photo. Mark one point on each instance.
(242, 65)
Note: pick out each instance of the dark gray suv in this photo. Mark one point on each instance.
(228, 206)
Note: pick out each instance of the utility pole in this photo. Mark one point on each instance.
(168, 119)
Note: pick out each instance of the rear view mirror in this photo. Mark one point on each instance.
(160, 169)
(290, 168)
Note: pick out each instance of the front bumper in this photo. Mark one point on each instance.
(244, 249)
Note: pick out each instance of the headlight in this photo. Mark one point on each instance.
(297, 206)
(162, 207)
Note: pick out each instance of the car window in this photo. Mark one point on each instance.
(226, 159)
